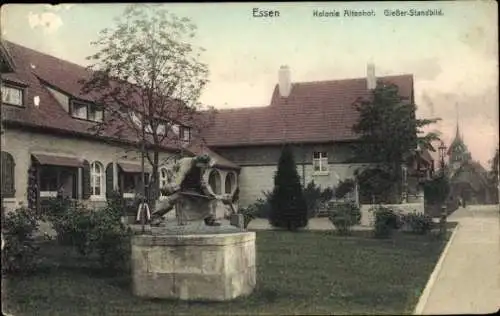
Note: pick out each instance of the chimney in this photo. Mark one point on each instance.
(371, 80)
(284, 81)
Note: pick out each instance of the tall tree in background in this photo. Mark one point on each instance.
(493, 176)
(389, 134)
(148, 76)
(288, 205)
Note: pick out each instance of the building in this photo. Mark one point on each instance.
(468, 179)
(47, 145)
(316, 117)
(47, 141)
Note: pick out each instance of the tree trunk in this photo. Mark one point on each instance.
(153, 182)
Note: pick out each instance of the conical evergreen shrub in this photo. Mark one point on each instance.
(288, 205)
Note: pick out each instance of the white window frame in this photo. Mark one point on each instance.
(185, 134)
(12, 89)
(135, 119)
(93, 176)
(176, 129)
(321, 161)
(160, 130)
(78, 114)
(94, 109)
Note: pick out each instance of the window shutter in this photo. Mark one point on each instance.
(87, 190)
(8, 185)
(109, 179)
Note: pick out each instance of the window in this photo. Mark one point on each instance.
(49, 181)
(160, 130)
(12, 95)
(79, 110)
(175, 129)
(320, 161)
(58, 178)
(185, 134)
(86, 111)
(214, 181)
(229, 185)
(96, 179)
(135, 119)
(95, 113)
(131, 183)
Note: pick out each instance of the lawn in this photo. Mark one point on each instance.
(298, 273)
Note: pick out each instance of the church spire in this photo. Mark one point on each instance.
(457, 133)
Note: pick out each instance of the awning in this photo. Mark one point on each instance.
(54, 160)
(133, 167)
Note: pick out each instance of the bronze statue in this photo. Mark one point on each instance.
(189, 193)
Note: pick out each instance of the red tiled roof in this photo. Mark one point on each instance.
(198, 148)
(33, 67)
(319, 111)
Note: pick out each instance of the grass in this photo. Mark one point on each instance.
(298, 273)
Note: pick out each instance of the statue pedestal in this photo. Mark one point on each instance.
(204, 266)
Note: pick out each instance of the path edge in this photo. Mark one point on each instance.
(424, 297)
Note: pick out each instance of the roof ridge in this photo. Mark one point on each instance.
(244, 108)
(349, 79)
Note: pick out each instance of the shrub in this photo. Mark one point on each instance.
(109, 239)
(288, 206)
(19, 252)
(344, 187)
(116, 204)
(418, 223)
(436, 190)
(316, 198)
(386, 221)
(262, 207)
(248, 215)
(376, 186)
(64, 215)
(344, 215)
(92, 231)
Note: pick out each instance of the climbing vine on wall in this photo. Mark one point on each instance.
(32, 188)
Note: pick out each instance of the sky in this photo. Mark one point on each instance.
(453, 56)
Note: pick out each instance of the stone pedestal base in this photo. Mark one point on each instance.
(213, 267)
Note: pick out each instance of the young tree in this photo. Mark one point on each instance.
(147, 76)
(389, 134)
(288, 205)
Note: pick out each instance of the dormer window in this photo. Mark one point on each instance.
(160, 129)
(175, 129)
(185, 134)
(95, 114)
(87, 111)
(12, 95)
(135, 118)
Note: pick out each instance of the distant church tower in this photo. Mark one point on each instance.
(458, 151)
